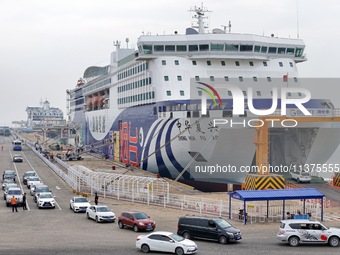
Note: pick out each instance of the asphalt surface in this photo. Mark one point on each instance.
(60, 231)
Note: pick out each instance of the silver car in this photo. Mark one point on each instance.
(307, 231)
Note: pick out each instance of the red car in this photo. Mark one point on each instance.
(136, 220)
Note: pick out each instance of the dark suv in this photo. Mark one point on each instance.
(207, 228)
(136, 220)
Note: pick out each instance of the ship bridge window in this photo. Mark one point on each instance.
(231, 47)
(251, 63)
(163, 62)
(298, 52)
(204, 47)
(272, 50)
(237, 63)
(168, 93)
(244, 93)
(158, 48)
(209, 63)
(181, 92)
(255, 79)
(264, 49)
(212, 78)
(197, 78)
(269, 79)
(147, 49)
(291, 64)
(295, 79)
(281, 50)
(166, 78)
(181, 48)
(226, 78)
(176, 62)
(217, 47)
(223, 63)
(193, 47)
(194, 63)
(179, 78)
(265, 63)
(280, 64)
(169, 47)
(246, 48)
(257, 48)
(240, 78)
(290, 51)
(258, 93)
(199, 92)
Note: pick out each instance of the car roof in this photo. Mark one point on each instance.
(299, 221)
(133, 212)
(30, 172)
(161, 233)
(201, 217)
(14, 188)
(17, 155)
(45, 193)
(8, 171)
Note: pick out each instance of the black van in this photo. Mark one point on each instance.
(216, 229)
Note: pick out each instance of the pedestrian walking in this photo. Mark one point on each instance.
(96, 198)
(24, 202)
(14, 204)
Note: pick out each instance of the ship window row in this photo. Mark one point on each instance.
(97, 85)
(149, 49)
(179, 78)
(134, 85)
(181, 92)
(237, 63)
(255, 78)
(132, 71)
(137, 98)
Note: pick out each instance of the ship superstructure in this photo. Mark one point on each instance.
(148, 103)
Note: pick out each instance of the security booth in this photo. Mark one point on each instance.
(271, 195)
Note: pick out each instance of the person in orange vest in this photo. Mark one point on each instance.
(14, 204)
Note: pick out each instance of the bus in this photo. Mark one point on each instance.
(17, 145)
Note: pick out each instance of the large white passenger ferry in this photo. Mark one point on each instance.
(146, 105)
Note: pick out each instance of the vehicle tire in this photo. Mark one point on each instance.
(135, 228)
(293, 241)
(120, 225)
(7, 204)
(87, 215)
(186, 235)
(333, 241)
(145, 248)
(298, 180)
(222, 240)
(97, 220)
(70, 207)
(179, 251)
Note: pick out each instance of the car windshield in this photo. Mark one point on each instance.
(34, 179)
(30, 174)
(305, 174)
(41, 189)
(11, 185)
(80, 200)
(177, 238)
(8, 181)
(103, 209)
(140, 216)
(223, 224)
(14, 192)
(46, 196)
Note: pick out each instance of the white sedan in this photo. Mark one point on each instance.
(45, 200)
(79, 204)
(165, 242)
(33, 180)
(100, 213)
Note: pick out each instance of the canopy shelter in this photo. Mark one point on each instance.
(282, 194)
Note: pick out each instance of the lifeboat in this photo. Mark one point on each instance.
(101, 100)
(95, 100)
(89, 102)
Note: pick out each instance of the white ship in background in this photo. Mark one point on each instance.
(146, 108)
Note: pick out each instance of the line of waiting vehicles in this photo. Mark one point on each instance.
(294, 232)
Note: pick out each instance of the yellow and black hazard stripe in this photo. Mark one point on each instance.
(336, 180)
(262, 182)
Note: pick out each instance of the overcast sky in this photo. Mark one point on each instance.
(46, 45)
